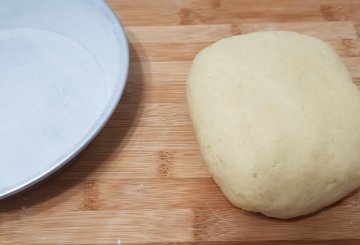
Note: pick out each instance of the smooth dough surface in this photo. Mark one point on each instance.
(277, 117)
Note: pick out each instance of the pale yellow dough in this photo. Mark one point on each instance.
(277, 117)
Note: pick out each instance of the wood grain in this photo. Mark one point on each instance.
(143, 180)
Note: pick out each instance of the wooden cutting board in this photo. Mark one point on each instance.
(143, 179)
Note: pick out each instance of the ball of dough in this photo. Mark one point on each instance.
(277, 117)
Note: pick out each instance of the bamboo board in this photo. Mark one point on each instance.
(143, 179)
